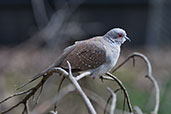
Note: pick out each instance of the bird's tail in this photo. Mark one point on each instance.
(47, 71)
(41, 74)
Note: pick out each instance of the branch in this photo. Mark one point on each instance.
(38, 96)
(58, 90)
(29, 93)
(14, 95)
(109, 99)
(26, 108)
(69, 89)
(112, 77)
(77, 78)
(113, 105)
(153, 80)
(149, 76)
(138, 110)
(66, 90)
(83, 95)
(50, 103)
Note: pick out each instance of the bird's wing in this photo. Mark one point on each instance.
(85, 56)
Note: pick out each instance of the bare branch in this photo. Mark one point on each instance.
(29, 93)
(27, 83)
(14, 106)
(149, 76)
(48, 104)
(109, 99)
(38, 96)
(77, 78)
(107, 102)
(84, 74)
(112, 77)
(58, 90)
(53, 112)
(26, 108)
(124, 104)
(138, 110)
(42, 74)
(14, 95)
(71, 88)
(83, 95)
(113, 105)
(67, 89)
(153, 80)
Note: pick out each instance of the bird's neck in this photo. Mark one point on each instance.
(111, 41)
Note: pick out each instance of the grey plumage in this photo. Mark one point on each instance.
(98, 54)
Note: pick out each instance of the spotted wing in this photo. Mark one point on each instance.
(85, 56)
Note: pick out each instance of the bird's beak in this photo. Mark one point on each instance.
(127, 38)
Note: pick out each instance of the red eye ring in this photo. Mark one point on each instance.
(120, 35)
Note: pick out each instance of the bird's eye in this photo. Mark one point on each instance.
(120, 35)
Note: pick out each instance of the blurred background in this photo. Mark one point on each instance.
(33, 34)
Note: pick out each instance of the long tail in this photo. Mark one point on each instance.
(41, 74)
(49, 69)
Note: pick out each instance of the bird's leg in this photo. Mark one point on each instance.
(101, 78)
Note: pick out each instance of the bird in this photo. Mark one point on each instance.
(97, 55)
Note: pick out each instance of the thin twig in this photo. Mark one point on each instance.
(26, 108)
(53, 112)
(107, 102)
(32, 92)
(83, 95)
(69, 89)
(40, 75)
(82, 75)
(109, 99)
(112, 77)
(29, 82)
(58, 90)
(123, 105)
(14, 95)
(38, 96)
(149, 76)
(14, 106)
(138, 110)
(113, 105)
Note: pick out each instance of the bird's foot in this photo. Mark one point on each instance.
(101, 78)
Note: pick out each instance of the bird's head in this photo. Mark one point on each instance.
(117, 35)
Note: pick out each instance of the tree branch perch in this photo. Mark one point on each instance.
(149, 76)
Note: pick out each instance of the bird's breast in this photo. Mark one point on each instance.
(112, 55)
